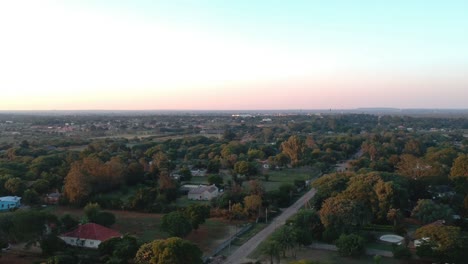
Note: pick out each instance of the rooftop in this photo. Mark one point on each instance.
(92, 231)
(202, 188)
(10, 199)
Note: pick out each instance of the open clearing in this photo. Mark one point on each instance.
(146, 227)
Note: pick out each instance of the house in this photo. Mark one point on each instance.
(9, 203)
(198, 173)
(89, 235)
(52, 198)
(203, 192)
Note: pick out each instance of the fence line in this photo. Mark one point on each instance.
(228, 241)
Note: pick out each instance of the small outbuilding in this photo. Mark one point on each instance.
(89, 235)
(8, 203)
(52, 198)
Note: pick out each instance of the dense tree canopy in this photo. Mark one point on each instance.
(173, 250)
(176, 224)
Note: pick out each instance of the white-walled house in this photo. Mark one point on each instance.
(198, 173)
(203, 192)
(89, 235)
(8, 203)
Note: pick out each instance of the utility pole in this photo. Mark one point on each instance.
(266, 215)
(230, 239)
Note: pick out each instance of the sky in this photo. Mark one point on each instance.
(232, 55)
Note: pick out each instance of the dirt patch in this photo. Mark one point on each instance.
(211, 234)
(18, 258)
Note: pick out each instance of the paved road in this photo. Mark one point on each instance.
(240, 255)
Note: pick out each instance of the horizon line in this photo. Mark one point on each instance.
(231, 110)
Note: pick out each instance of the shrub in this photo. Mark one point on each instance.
(401, 252)
(51, 244)
(104, 218)
(329, 235)
(350, 245)
(91, 210)
(68, 222)
(61, 259)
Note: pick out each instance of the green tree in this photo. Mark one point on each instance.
(185, 174)
(91, 210)
(329, 185)
(68, 222)
(350, 245)
(308, 226)
(401, 252)
(120, 248)
(176, 224)
(29, 226)
(197, 214)
(161, 162)
(394, 216)
(254, 154)
(215, 179)
(213, 166)
(286, 238)
(41, 186)
(281, 160)
(135, 173)
(229, 135)
(104, 219)
(272, 249)
(242, 167)
(14, 186)
(31, 197)
(428, 211)
(173, 250)
(50, 244)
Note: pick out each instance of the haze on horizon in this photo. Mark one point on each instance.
(228, 55)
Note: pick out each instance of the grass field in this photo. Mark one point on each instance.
(329, 257)
(183, 201)
(146, 227)
(379, 245)
(279, 177)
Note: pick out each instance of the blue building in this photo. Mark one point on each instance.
(9, 203)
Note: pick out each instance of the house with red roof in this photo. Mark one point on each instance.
(89, 235)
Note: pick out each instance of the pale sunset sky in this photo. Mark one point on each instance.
(229, 55)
